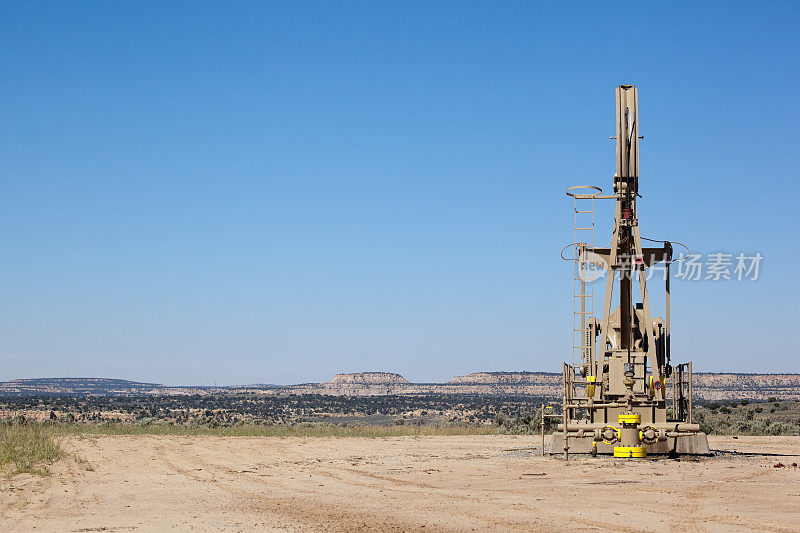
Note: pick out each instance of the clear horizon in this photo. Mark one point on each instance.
(279, 192)
(180, 385)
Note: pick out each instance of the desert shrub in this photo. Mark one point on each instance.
(725, 410)
(525, 423)
(744, 402)
(713, 406)
(752, 427)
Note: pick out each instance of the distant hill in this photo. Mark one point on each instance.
(91, 386)
(707, 386)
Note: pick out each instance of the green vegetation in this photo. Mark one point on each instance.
(774, 417)
(27, 447)
(526, 423)
(230, 409)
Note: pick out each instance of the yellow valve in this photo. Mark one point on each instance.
(630, 418)
(615, 431)
(590, 386)
(629, 451)
(642, 435)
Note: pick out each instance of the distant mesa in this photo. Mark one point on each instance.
(505, 378)
(707, 386)
(369, 378)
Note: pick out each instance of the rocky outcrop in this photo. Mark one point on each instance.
(723, 386)
(506, 378)
(545, 385)
(368, 378)
(707, 386)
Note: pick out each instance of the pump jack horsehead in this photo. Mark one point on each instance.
(615, 390)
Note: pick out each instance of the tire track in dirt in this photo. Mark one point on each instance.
(299, 508)
(444, 484)
(693, 500)
(464, 504)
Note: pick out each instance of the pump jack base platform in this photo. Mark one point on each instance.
(690, 444)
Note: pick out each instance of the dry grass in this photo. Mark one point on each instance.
(298, 430)
(32, 446)
(27, 448)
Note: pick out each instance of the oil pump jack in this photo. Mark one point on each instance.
(615, 390)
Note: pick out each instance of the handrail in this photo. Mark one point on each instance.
(578, 187)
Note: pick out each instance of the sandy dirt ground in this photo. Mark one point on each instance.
(156, 483)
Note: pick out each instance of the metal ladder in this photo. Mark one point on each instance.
(682, 392)
(582, 291)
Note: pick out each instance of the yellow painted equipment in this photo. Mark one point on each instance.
(630, 418)
(628, 452)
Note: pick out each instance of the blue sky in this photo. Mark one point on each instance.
(275, 192)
